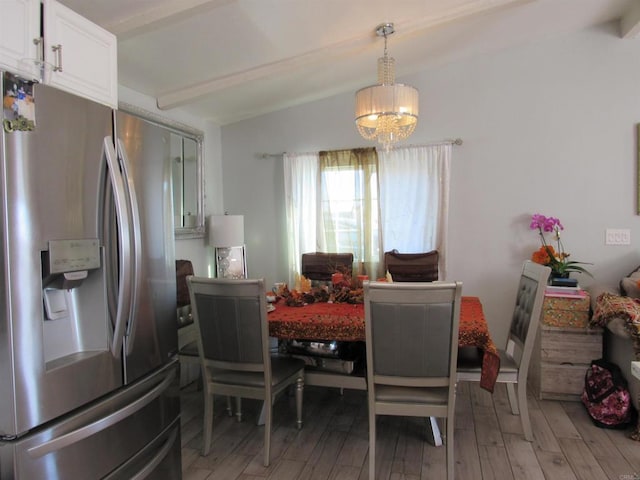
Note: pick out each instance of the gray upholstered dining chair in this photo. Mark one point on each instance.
(515, 357)
(233, 344)
(412, 342)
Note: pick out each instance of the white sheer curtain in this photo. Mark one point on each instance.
(414, 199)
(301, 200)
(413, 202)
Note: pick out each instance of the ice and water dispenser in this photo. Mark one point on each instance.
(74, 303)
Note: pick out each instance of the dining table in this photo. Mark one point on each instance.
(325, 321)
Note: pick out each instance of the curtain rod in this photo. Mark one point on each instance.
(453, 141)
(448, 141)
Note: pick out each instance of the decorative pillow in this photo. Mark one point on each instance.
(610, 306)
(630, 285)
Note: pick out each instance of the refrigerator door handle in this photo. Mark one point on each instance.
(104, 423)
(136, 267)
(124, 235)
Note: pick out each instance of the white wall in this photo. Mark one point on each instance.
(548, 128)
(195, 250)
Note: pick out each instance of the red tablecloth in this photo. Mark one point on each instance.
(345, 321)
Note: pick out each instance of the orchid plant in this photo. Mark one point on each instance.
(556, 258)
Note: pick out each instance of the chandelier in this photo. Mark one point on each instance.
(386, 112)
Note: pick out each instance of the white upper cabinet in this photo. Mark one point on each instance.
(83, 55)
(72, 54)
(20, 36)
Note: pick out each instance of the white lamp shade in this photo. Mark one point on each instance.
(397, 101)
(226, 230)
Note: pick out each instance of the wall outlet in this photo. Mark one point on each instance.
(617, 236)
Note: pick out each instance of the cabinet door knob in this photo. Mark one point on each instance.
(58, 51)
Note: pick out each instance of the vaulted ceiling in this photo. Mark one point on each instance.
(228, 60)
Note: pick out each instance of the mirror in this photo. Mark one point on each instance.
(185, 165)
(186, 173)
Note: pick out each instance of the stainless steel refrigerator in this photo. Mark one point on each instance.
(88, 368)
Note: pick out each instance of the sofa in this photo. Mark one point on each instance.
(621, 343)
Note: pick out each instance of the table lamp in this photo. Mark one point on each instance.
(226, 236)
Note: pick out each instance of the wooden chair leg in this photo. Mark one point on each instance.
(450, 448)
(207, 428)
(299, 392)
(524, 412)
(267, 430)
(239, 409)
(513, 400)
(372, 444)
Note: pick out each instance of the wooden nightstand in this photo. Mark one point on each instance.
(564, 349)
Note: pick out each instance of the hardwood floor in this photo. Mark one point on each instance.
(333, 443)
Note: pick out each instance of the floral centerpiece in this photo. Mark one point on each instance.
(555, 257)
(341, 289)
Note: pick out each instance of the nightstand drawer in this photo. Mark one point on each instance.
(561, 380)
(565, 311)
(560, 360)
(572, 346)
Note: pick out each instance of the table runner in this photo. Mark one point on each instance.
(345, 322)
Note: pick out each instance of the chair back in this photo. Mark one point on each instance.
(526, 313)
(231, 318)
(412, 267)
(412, 333)
(184, 268)
(321, 265)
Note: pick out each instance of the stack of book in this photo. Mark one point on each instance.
(563, 282)
(566, 292)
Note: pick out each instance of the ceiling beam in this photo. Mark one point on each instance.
(190, 93)
(630, 22)
(166, 13)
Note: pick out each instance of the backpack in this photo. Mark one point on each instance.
(606, 396)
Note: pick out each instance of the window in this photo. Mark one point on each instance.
(344, 208)
(367, 202)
